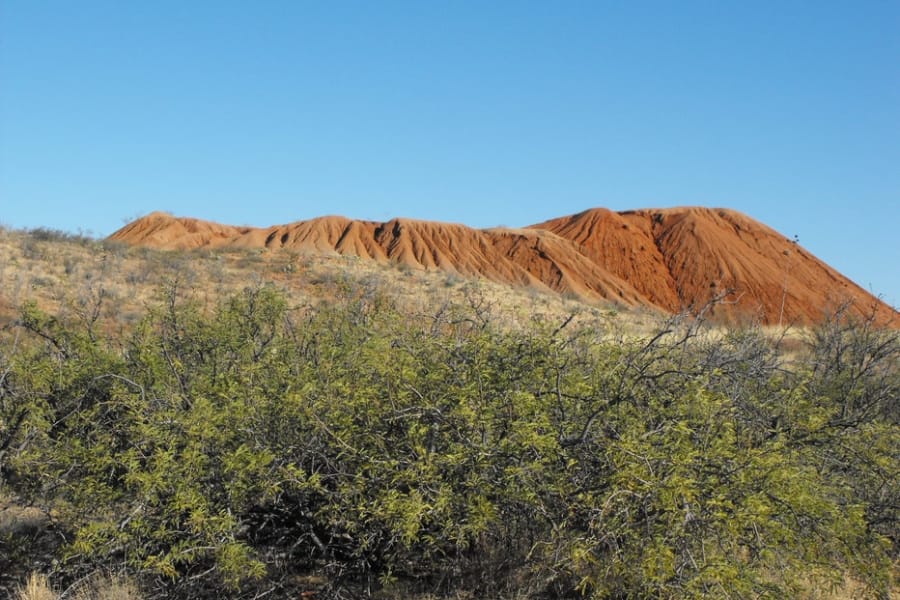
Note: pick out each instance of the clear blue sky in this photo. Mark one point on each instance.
(483, 113)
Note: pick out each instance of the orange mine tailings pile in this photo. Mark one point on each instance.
(670, 259)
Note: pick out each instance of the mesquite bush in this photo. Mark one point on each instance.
(254, 448)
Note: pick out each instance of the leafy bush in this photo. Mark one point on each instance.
(44, 234)
(251, 448)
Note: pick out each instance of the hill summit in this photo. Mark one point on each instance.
(670, 259)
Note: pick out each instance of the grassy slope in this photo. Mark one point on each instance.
(55, 269)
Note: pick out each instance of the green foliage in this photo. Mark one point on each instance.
(231, 449)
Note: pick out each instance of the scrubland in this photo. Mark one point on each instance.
(272, 425)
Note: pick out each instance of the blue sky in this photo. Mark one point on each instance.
(482, 113)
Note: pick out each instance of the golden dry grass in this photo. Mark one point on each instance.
(36, 588)
(60, 272)
(96, 587)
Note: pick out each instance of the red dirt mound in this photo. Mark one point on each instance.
(671, 259)
(162, 230)
(624, 248)
(560, 265)
(682, 257)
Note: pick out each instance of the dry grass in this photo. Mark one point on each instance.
(101, 587)
(20, 521)
(60, 272)
(97, 587)
(36, 588)
(106, 588)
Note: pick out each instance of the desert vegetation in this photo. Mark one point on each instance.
(256, 447)
(65, 273)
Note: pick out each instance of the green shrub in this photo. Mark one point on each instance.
(237, 450)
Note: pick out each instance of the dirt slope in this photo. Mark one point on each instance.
(670, 259)
(682, 257)
(624, 248)
(162, 230)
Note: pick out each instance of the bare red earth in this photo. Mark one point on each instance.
(672, 259)
(682, 257)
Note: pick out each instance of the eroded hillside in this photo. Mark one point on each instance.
(667, 259)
